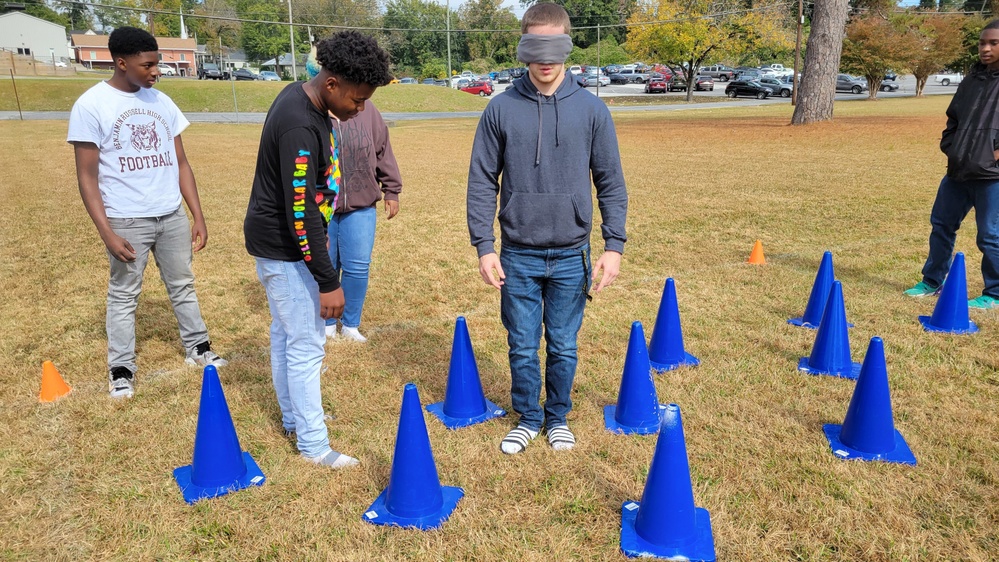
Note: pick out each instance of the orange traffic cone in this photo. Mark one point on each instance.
(53, 387)
(756, 257)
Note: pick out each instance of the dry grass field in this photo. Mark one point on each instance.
(88, 478)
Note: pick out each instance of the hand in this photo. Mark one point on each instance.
(199, 235)
(119, 248)
(391, 208)
(487, 264)
(610, 264)
(331, 304)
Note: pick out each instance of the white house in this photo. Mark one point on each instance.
(27, 35)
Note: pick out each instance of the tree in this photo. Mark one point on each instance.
(971, 28)
(817, 89)
(585, 15)
(609, 53)
(78, 14)
(941, 43)
(113, 14)
(215, 32)
(41, 11)
(412, 39)
(689, 33)
(874, 45)
(262, 41)
(500, 46)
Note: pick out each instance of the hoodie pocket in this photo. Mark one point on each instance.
(545, 219)
(972, 155)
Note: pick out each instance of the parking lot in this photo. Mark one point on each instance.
(907, 87)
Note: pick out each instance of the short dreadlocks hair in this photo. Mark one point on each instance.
(355, 57)
(130, 41)
(994, 24)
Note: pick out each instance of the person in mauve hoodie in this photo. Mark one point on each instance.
(971, 143)
(546, 137)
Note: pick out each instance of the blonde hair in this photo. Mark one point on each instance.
(545, 13)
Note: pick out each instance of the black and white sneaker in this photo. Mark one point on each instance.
(202, 356)
(121, 383)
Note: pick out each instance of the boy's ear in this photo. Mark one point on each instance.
(332, 83)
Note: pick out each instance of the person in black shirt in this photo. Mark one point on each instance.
(285, 227)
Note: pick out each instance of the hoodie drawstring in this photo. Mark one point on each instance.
(537, 157)
(556, 119)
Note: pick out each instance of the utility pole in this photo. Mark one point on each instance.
(449, 85)
(797, 54)
(598, 60)
(291, 35)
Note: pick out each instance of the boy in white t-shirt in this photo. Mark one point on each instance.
(133, 173)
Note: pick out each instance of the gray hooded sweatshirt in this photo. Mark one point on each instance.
(538, 153)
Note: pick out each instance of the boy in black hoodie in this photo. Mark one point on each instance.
(971, 143)
(546, 137)
(285, 227)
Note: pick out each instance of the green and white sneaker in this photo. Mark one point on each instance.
(983, 302)
(922, 289)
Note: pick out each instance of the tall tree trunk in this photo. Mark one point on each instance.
(920, 84)
(825, 45)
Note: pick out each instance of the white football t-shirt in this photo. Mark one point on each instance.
(138, 173)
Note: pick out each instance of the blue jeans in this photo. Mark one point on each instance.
(352, 237)
(954, 200)
(169, 239)
(543, 286)
(297, 338)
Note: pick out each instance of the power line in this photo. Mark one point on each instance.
(153, 11)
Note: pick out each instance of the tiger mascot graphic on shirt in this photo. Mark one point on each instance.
(144, 137)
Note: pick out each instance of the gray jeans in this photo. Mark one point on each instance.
(169, 239)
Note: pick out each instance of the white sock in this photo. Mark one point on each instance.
(334, 460)
(352, 334)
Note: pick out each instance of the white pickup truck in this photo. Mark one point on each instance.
(948, 79)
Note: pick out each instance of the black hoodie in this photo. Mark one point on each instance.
(972, 133)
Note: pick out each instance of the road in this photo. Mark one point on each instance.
(907, 83)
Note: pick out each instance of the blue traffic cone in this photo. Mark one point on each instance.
(464, 402)
(951, 313)
(666, 350)
(831, 352)
(219, 466)
(819, 295)
(414, 496)
(638, 409)
(666, 524)
(868, 432)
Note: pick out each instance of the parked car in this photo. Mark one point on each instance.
(718, 71)
(461, 82)
(165, 69)
(478, 87)
(269, 76)
(747, 88)
(947, 79)
(244, 74)
(211, 71)
(676, 84)
(891, 76)
(777, 86)
(576, 69)
(629, 76)
(593, 79)
(503, 77)
(656, 85)
(704, 84)
(847, 83)
(887, 86)
(403, 80)
(746, 73)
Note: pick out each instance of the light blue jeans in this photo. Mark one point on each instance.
(169, 239)
(297, 338)
(352, 238)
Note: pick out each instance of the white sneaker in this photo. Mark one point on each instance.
(352, 334)
(331, 332)
(202, 356)
(121, 383)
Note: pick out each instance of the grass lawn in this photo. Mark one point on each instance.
(42, 94)
(87, 478)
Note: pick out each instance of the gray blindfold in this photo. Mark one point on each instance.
(552, 49)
